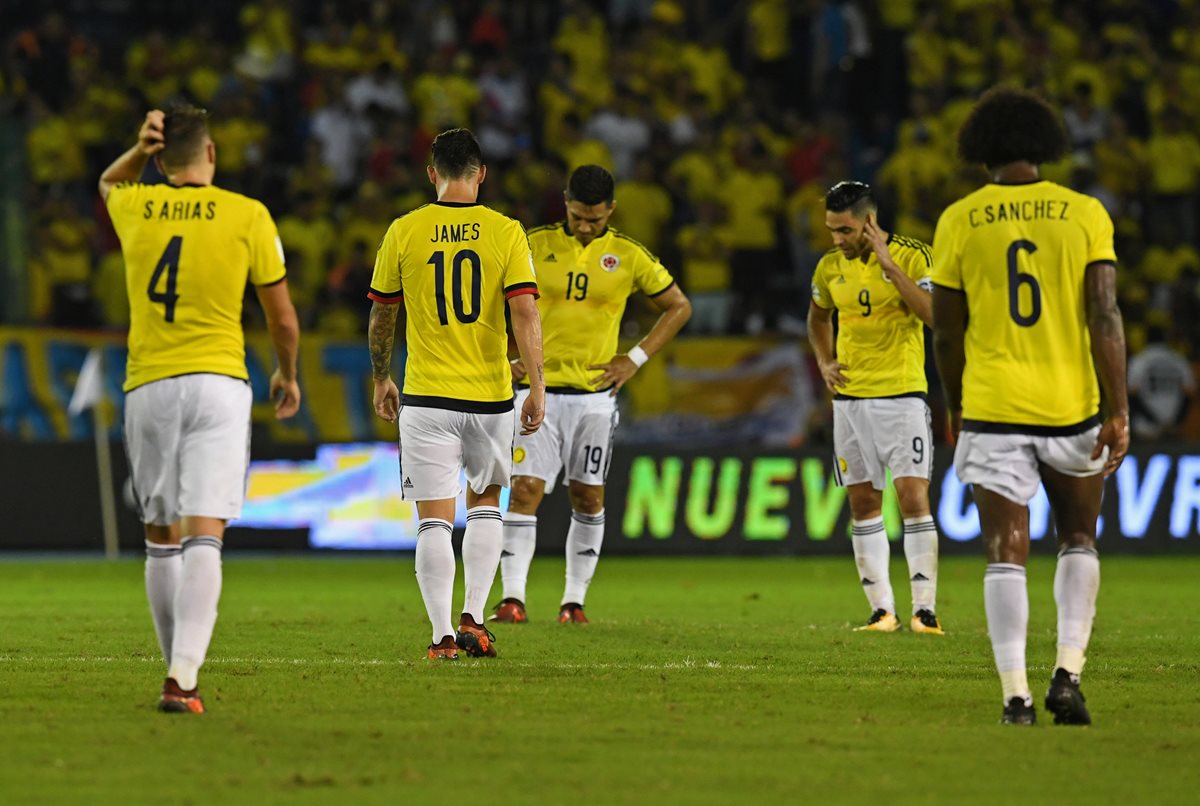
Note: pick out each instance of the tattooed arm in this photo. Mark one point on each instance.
(381, 333)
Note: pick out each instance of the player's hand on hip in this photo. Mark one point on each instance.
(831, 372)
(151, 138)
(286, 394)
(517, 368)
(616, 373)
(387, 400)
(533, 411)
(1114, 435)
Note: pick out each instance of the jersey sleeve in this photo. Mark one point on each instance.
(385, 282)
(519, 277)
(820, 287)
(1100, 236)
(650, 276)
(266, 250)
(918, 265)
(122, 203)
(947, 262)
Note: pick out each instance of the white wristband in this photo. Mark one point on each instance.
(637, 355)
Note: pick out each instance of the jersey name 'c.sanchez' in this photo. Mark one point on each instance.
(583, 294)
(1019, 253)
(454, 264)
(189, 251)
(881, 341)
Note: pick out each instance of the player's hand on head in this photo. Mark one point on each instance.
(151, 137)
(533, 411)
(615, 373)
(832, 375)
(1114, 435)
(517, 367)
(387, 400)
(286, 394)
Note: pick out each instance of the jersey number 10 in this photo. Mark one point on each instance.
(438, 261)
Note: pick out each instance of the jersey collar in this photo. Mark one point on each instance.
(456, 204)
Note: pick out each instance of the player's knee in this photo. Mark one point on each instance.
(526, 494)
(587, 500)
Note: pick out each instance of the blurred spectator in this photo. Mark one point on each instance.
(643, 207)
(343, 135)
(704, 247)
(577, 149)
(622, 129)
(1161, 387)
(1086, 125)
(1174, 156)
(381, 88)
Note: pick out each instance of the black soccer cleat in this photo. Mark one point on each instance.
(1066, 701)
(1019, 711)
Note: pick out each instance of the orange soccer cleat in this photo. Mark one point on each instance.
(444, 649)
(175, 700)
(509, 611)
(475, 639)
(572, 613)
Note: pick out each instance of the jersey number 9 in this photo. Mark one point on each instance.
(438, 261)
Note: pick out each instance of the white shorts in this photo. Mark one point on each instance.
(436, 445)
(1008, 463)
(874, 435)
(188, 440)
(577, 434)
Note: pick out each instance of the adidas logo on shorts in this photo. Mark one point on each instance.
(408, 485)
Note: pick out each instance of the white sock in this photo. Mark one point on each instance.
(1006, 600)
(435, 573)
(481, 557)
(1076, 583)
(584, 538)
(520, 540)
(195, 607)
(921, 551)
(872, 554)
(164, 564)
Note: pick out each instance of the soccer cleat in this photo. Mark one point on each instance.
(571, 613)
(925, 621)
(1066, 701)
(880, 621)
(509, 611)
(444, 649)
(175, 700)
(1019, 711)
(475, 639)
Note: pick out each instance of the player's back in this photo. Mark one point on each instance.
(455, 264)
(189, 252)
(1019, 252)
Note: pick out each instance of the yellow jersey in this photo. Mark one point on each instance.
(584, 290)
(454, 264)
(189, 251)
(881, 341)
(1019, 252)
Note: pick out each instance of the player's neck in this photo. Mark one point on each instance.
(1015, 173)
(190, 176)
(459, 193)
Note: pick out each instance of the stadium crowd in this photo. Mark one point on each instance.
(723, 122)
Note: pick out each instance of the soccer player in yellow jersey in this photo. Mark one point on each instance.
(189, 249)
(879, 285)
(452, 265)
(586, 272)
(1026, 317)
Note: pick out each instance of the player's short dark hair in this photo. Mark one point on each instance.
(456, 154)
(857, 197)
(1012, 125)
(590, 184)
(185, 133)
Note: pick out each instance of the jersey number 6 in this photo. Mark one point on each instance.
(1016, 279)
(438, 261)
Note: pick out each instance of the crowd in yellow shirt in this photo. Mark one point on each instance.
(724, 123)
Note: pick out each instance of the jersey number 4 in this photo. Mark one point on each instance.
(438, 261)
(169, 263)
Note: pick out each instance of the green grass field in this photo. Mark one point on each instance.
(708, 681)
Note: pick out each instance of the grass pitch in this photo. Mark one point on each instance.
(706, 681)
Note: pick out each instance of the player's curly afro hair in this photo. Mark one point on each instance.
(1012, 125)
